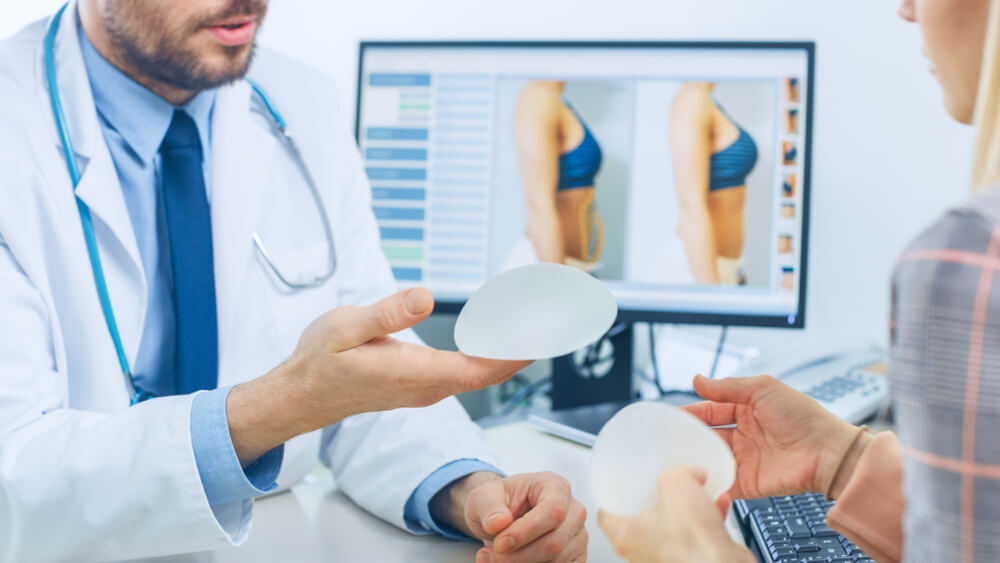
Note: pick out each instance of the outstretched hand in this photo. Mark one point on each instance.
(784, 442)
(347, 362)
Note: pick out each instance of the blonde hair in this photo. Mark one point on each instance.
(986, 157)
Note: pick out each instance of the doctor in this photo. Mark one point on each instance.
(163, 245)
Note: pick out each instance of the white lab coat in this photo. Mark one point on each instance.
(82, 475)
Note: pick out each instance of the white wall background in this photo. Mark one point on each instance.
(887, 159)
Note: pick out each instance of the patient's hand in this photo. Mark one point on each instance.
(684, 526)
(784, 441)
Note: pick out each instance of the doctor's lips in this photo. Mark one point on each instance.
(235, 31)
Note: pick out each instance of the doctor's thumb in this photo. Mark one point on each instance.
(390, 315)
(487, 506)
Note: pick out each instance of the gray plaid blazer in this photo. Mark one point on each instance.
(945, 384)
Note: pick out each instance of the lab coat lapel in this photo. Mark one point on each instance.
(242, 151)
(99, 188)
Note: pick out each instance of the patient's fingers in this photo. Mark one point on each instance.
(727, 435)
(713, 414)
(729, 390)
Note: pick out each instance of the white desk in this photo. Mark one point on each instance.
(315, 523)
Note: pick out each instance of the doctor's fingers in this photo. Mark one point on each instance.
(556, 509)
(486, 510)
(567, 542)
(424, 375)
(454, 372)
(576, 551)
(353, 326)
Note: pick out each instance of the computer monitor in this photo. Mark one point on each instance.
(676, 172)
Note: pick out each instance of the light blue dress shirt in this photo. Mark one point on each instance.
(134, 121)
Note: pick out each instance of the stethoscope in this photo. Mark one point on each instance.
(279, 128)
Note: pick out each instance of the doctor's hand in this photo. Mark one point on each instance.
(527, 518)
(784, 442)
(684, 526)
(347, 363)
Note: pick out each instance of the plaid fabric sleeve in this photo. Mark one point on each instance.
(945, 381)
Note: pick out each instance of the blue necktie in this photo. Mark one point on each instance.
(189, 228)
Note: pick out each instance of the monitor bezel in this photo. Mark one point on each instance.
(796, 321)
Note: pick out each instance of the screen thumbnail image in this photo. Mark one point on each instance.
(562, 156)
(667, 182)
(703, 172)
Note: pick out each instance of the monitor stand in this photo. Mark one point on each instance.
(598, 373)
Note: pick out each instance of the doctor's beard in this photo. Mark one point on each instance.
(159, 41)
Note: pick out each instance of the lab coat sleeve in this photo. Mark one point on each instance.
(79, 485)
(417, 512)
(379, 459)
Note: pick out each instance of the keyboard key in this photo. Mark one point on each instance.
(769, 514)
(768, 520)
(783, 552)
(831, 547)
(797, 528)
(758, 503)
(803, 549)
(782, 545)
(812, 558)
(842, 560)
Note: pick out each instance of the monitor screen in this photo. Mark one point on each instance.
(677, 173)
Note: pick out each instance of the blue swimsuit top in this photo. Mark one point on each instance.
(730, 167)
(578, 167)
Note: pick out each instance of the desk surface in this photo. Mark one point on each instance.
(315, 523)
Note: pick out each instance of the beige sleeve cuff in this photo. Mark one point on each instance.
(870, 510)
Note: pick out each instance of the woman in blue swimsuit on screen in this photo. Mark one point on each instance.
(559, 158)
(712, 157)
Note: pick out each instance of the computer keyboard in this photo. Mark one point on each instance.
(793, 529)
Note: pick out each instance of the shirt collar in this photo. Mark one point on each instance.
(140, 116)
